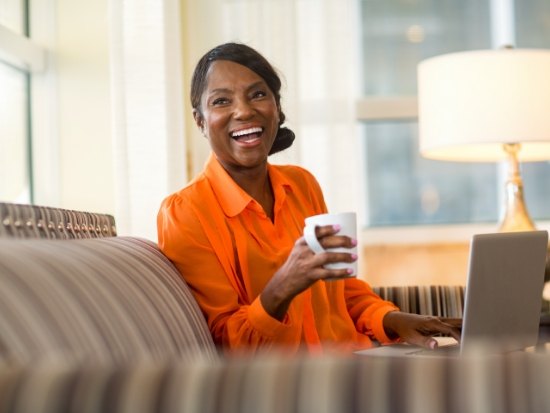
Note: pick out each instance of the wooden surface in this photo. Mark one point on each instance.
(418, 264)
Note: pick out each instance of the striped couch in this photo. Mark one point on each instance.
(94, 322)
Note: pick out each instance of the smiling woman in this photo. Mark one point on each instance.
(235, 232)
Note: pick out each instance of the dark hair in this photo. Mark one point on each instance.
(250, 58)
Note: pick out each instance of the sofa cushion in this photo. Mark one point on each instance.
(116, 299)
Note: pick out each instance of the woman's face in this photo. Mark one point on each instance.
(239, 115)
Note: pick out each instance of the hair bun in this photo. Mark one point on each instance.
(284, 139)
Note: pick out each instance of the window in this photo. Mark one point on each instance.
(15, 185)
(15, 173)
(402, 187)
(20, 59)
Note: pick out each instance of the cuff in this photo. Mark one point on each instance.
(377, 325)
(267, 325)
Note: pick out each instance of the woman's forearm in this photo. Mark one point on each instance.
(274, 300)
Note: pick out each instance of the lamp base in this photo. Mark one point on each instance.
(516, 217)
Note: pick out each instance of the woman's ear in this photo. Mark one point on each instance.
(199, 120)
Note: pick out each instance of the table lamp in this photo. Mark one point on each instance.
(487, 106)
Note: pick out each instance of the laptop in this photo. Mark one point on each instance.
(503, 297)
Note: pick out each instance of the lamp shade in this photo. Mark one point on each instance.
(471, 103)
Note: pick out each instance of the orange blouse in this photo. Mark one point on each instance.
(227, 249)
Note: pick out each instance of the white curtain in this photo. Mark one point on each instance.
(146, 68)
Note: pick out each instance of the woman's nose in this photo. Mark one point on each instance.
(243, 109)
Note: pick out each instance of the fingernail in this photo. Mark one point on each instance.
(337, 227)
(354, 242)
(354, 257)
(433, 344)
(349, 271)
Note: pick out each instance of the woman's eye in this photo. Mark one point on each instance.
(220, 101)
(259, 94)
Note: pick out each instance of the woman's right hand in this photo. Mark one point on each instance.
(303, 268)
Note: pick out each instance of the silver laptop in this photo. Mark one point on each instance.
(503, 295)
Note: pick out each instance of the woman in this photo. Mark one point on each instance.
(235, 232)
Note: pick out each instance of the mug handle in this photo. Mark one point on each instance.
(312, 240)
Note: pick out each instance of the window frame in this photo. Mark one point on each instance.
(21, 52)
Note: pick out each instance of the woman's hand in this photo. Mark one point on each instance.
(417, 329)
(303, 268)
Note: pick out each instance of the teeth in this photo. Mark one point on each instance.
(246, 132)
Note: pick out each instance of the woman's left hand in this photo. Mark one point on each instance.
(418, 329)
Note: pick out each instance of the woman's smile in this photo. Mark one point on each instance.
(248, 136)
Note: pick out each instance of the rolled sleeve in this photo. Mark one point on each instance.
(268, 326)
(377, 324)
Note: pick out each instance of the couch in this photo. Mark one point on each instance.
(95, 322)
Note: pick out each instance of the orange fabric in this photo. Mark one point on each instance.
(227, 249)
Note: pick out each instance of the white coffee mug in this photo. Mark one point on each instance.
(348, 224)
